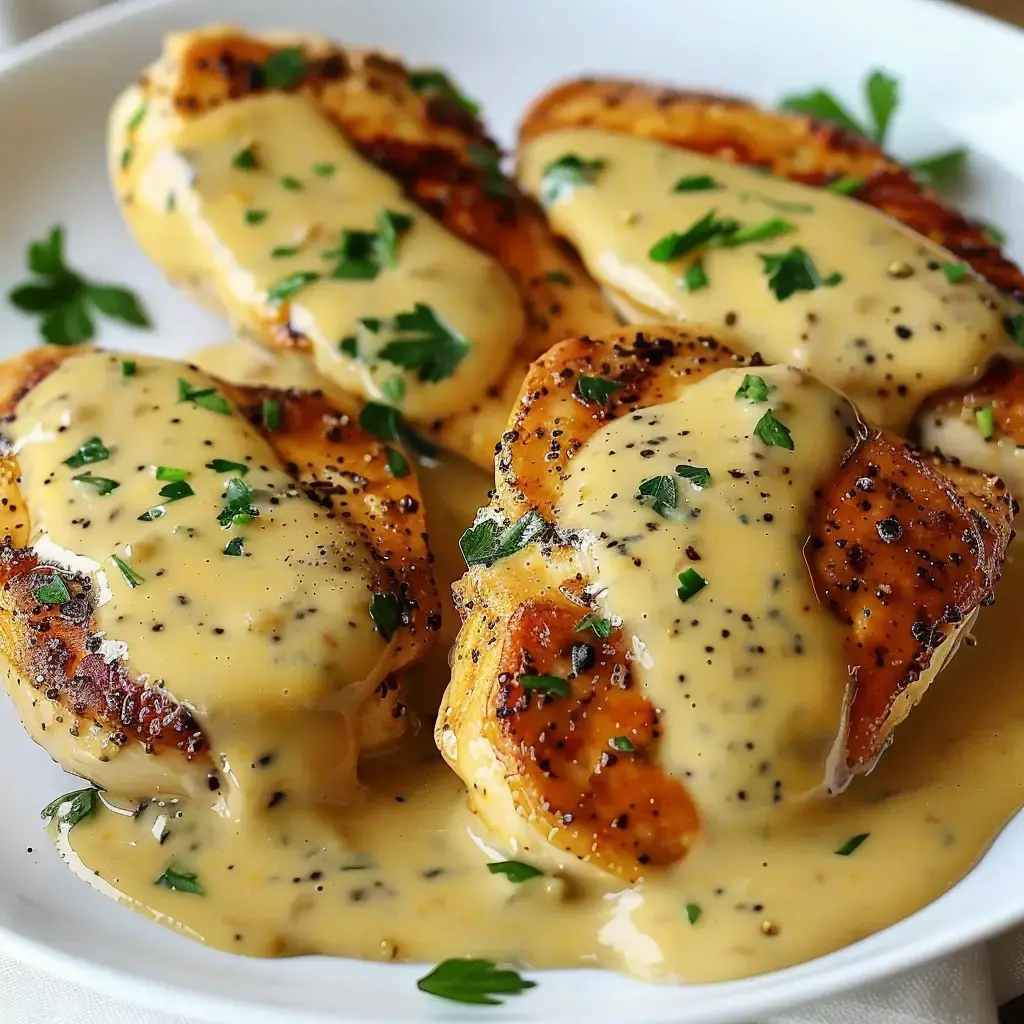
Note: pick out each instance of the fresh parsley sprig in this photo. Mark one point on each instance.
(488, 541)
(66, 301)
(72, 808)
(472, 980)
(563, 176)
(424, 342)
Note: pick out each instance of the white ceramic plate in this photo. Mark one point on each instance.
(963, 78)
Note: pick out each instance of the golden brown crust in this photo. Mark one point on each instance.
(789, 145)
(433, 147)
(55, 647)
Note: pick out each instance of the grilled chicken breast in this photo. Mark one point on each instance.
(196, 577)
(806, 276)
(334, 201)
(704, 590)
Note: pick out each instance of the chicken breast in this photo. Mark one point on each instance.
(820, 250)
(197, 577)
(704, 591)
(334, 201)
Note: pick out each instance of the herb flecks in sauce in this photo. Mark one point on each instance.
(514, 870)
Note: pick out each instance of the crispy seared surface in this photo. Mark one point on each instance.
(899, 593)
(55, 647)
(789, 145)
(429, 145)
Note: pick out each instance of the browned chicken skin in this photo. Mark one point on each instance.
(897, 550)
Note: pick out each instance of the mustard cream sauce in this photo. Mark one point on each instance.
(885, 324)
(251, 206)
(403, 876)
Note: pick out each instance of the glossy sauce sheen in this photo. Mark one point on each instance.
(403, 876)
(215, 226)
(891, 332)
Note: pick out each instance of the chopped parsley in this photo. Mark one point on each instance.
(176, 490)
(93, 450)
(128, 367)
(282, 251)
(386, 614)
(426, 344)
(852, 844)
(558, 277)
(235, 547)
(362, 255)
(700, 232)
(995, 234)
(390, 228)
(563, 176)
(435, 84)
(1015, 325)
(65, 300)
(245, 159)
(986, 422)
(255, 217)
(152, 514)
(290, 285)
(694, 278)
(271, 413)
(238, 508)
(227, 466)
(489, 161)
(73, 807)
(773, 432)
(753, 389)
(324, 170)
(393, 388)
(941, 169)
(180, 881)
(488, 541)
(386, 423)
(693, 912)
(822, 106)
(52, 590)
(398, 464)
(545, 684)
(782, 205)
(696, 183)
(291, 184)
(699, 476)
(846, 185)
(661, 492)
(771, 228)
(514, 870)
(350, 345)
(103, 484)
(472, 980)
(170, 473)
(955, 272)
(284, 68)
(691, 583)
(206, 398)
(597, 624)
(131, 577)
(623, 743)
(794, 271)
(135, 121)
(596, 389)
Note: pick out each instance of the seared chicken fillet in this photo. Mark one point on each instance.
(888, 316)
(196, 575)
(334, 201)
(704, 590)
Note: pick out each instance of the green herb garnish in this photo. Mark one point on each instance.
(474, 981)
(103, 484)
(955, 272)
(488, 541)
(661, 490)
(238, 509)
(386, 613)
(324, 170)
(563, 176)
(846, 185)
(426, 344)
(176, 490)
(782, 205)
(514, 870)
(385, 423)
(393, 388)
(696, 183)
(245, 159)
(986, 422)
(131, 577)
(691, 583)
(753, 389)
(756, 232)
(288, 286)
(597, 624)
(398, 464)
(93, 450)
(699, 476)
(390, 228)
(773, 432)
(282, 251)
(135, 121)
(596, 389)
(701, 232)
(65, 300)
(284, 68)
(434, 83)
(226, 466)
(152, 514)
(73, 807)
(558, 277)
(693, 912)
(545, 684)
(495, 183)
(271, 413)
(851, 844)
(942, 168)
(206, 398)
(170, 473)
(694, 277)
(794, 271)
(623, 743)
(1015, 325)
(180, 881)
(291, 184)
(255, 217)
(128, 367)
(52, 590)
(235, 547)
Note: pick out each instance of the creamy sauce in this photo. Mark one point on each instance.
(238, 234)
(402, 876)
(891, 332)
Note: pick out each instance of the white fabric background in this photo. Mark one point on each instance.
(961, 989)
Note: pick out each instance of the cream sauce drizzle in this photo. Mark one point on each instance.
(893, 331)
(220, 230)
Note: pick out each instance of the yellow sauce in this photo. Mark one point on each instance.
(402, 875)
(892, 331)
(257, 241)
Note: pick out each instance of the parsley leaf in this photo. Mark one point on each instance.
(471, 980)
(93, 450)
(128, 367)
(846, 185)
(398, 464)
(623, 743)
(1015, 327)
(284, 68)
(558, 277)
(753, 389)
(385, 423)
(51, 590)
(63, 298)
(255, 217)
(393, 388)
(773, 432)
(794, 271)
(290, 285)
(822, 106)
(955, 272)
(986, 422)
(390, 228)
(852, 844)
(170, 473)
(489, 161)
(73, 807)
(235, 547)
(546, 684)
(271, 413)
(283, 251)
(488, 541)
(691, 583)
(324, 170)
(152, 514)
(176, 490)
(597, 624)
(425, 344)
(694, 278)
(180, 881)
(693, 912)
(662, 492)
(238, 509)
(563, 176)
(245, 159)
(206, 398)
(672, 246)
(596, 389)
(361, 255)
(104, 485)
(131, 577)
(699, 476)
(756, 232)
(226, 466)
(883, 97)
(941, 168)
(434, 83)
(386, 613)
(696, 183)
(514, 870)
